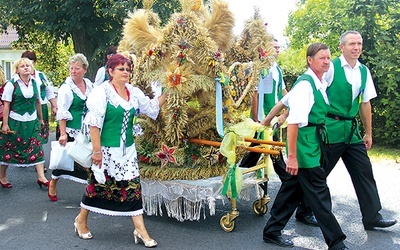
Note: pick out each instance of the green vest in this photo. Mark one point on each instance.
(308, 142)
(341, 99)
(112, 126)
(77, 110)
(22, 105)
(105, 74)
(270, 98)
(42, 86)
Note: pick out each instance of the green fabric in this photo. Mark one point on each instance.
(105, 74)
(22, 105)
(77, 109)
(269, 99)
(113, 121)
(42, 86)
(341, 103)
(308, 144)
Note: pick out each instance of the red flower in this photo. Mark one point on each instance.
(124, 195)
(90, 190)
(174, 79)
(166, 155)
(150, 52)
(7, 157)
(32, 158)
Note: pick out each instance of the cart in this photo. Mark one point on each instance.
(187, 200)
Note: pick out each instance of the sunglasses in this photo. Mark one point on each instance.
(124, 69)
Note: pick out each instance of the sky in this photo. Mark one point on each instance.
(274, 12)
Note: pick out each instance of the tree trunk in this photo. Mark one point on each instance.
(85, 45)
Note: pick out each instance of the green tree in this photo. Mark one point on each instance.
(92, 25)
(52, 55)
(380, 26)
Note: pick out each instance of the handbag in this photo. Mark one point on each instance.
(81, 151)
(59, 158)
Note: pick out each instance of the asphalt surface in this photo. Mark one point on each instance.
(29, 220)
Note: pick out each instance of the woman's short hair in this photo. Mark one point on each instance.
(116, 60)
(79, 58)
(30, 55)
(112, 50)
(22, 60)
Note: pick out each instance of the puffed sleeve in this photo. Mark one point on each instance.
(8, 92)
(64, 102)
(49, 93)
(96, 104)
(147, 106)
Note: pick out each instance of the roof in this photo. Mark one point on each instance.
(6, 38)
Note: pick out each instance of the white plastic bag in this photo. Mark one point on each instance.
(98, 174)
(81, 151)
(59, 158)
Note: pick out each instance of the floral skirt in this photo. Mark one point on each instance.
(23, 148)
(116, 198)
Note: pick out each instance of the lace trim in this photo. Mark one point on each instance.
(187, 200)
(112, 213)
(64, 115)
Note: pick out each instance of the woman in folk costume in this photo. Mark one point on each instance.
(22, 120)
(71, 104)
(114, 182)
(46, 95)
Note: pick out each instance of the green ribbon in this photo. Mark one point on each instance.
(230, 182)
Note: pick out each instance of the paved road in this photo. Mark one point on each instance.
(28, 220)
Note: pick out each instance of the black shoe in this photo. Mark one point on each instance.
(277, 240)
(380, 223)
(309, 220)
(343, 248)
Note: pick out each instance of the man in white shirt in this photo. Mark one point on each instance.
(308, 104)
(263, 100)
(350, 89)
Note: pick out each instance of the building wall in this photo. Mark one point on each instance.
(7, 57)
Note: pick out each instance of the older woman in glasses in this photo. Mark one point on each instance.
(114, 183)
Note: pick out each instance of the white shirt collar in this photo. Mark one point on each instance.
(344, 63)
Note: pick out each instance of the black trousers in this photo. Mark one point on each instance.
(359, 166)
(312, 183)
(251, 159)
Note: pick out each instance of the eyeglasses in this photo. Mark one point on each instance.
(124, 69)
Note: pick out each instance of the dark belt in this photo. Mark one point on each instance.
(343, 118)
(320, 128)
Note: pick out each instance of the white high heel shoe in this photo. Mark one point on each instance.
(85, 236)
(150, 243)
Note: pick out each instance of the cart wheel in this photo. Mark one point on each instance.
(259, 208)
(227, 225)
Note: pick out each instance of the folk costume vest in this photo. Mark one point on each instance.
(22, 105)
(106, 78)
(272, 98)
(78, 110)
(341, 119)
(309, 140)
(42, 86)
(117, 119)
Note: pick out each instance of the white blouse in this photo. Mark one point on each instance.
(120, 165)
